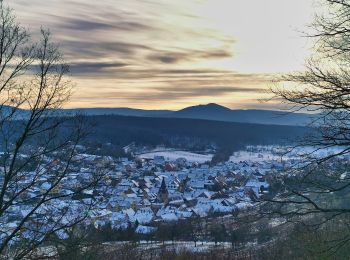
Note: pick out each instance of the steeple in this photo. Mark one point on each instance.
(163, 193)
(163, 187)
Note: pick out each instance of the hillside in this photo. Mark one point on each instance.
(221, 113)
(209, 112)
(123, 130)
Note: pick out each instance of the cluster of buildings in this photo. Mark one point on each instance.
(141, 192)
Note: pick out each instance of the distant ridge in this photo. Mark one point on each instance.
(217, 112)
(209, 111)
(122, 111)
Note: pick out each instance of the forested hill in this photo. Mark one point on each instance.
(207, 112)
(123, 130)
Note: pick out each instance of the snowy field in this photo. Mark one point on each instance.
(317, 152)
(280, 153)
(179, 246)
(173, 155)
(253, 157)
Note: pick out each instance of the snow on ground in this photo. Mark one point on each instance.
(281, 153)
(317, 152)
(253, 157)
(173, 155)
(177, 245)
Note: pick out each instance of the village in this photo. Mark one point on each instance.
(142, 191)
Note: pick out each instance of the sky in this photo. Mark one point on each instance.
(166, 54)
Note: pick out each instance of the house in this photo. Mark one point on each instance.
(169, 167)
(119, 220)
(181, 162)
(169, 217)
(143, 216)
(257, 186)
(145, 230)
(159, 160)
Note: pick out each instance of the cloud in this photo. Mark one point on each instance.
(84, 25)
(141, 51)
(215, 54)
(188, 55)
(91, 25)
(94, 68)
(96, 51)
(164, 93)
(168, 58)
(174, 93)
(137, 73)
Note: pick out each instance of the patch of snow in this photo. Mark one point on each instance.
(173, 155)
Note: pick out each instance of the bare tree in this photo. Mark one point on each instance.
(317, 190)
(38, 147)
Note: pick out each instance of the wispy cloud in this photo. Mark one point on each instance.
(161, 94)
(93, 67)
(85, 25)
(138, 52)
(188, 55)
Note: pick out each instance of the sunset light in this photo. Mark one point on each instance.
(172, 54)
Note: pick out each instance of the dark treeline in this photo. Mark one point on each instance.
(189, 133)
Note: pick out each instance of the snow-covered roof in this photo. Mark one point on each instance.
(145, 229)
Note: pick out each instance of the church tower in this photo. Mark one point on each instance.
(163, 194)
